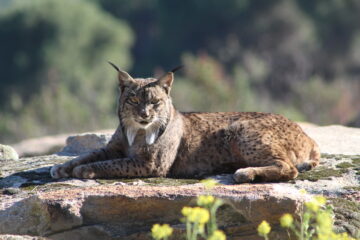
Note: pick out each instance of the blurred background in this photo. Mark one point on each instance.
(300, 58)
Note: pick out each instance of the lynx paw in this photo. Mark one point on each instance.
(306, 166)
(83, 171)
(244, 175)
(60, 171)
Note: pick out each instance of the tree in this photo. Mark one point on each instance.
(53, 66)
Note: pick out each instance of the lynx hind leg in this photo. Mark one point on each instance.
(278, 171)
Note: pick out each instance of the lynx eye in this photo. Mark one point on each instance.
(133, 100)
(155, 101)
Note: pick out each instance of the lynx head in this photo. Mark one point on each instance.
(144, 103)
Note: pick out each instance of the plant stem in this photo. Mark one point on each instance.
(213, 225)
(188, 230)
(195, 231)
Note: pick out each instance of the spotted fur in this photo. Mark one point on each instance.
(155, 140)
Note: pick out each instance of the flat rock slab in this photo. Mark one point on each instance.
(33, 204)
(128, 212)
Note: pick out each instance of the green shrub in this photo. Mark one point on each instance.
(54, 68)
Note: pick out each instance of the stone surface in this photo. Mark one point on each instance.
(85, 142)
(8, 153)
(125, 211)
(20, 237)
(335, 139)
(40, 146)
(48, 144)
(33, 204)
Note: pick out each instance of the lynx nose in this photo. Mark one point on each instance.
(144, 113)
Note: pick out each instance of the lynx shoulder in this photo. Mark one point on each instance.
(154, 139)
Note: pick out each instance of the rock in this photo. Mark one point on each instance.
(85, 142)
(335, 139)
(40, 146)
(46, 145)
(121, 212)
(20, 237)
(10, 191)
(8, 153)
(33, 204)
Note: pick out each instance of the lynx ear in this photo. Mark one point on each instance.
(166, 81)
(124, 78)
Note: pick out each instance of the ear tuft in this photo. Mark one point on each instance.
(114, 66)
(177, 68)
(124, 78)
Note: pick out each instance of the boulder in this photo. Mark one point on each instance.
(40, 146)
(8, 153)
(33, 204)
(85, 142)
(52, 144)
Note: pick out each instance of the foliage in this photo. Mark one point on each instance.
(300, 58)
(279, 48)
(54, 72)
(206, 86)
(316, 223)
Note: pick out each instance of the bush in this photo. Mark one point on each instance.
(53, 67)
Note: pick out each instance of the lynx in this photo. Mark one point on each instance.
(153, 139)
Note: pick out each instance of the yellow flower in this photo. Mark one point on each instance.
(312, 205)
(161, 231)
(316, 203)
(217, 235)
(321, 200)
(209, 183)
(264, 228)
(324, 221)
(186, 211)
(286, 220)
(196, 214)
(205, 200)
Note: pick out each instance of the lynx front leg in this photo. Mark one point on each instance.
(278, 171)
(125, 167)
(64, 170)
